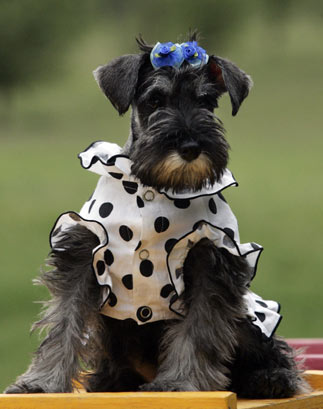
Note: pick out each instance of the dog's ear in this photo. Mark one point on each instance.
(228, 77)
(118, 80)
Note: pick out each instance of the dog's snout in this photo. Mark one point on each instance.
(190, 151)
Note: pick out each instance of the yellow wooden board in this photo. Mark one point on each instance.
(315, 379)
(310, 401)
(124, 400)
(164, 400)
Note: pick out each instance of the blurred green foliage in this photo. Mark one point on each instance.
(47, 52)
(34, 36)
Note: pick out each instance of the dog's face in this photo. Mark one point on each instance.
(176, 141)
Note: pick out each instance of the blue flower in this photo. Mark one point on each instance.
(189, 50)
(173, 55)
(194, 54)
(166, 54)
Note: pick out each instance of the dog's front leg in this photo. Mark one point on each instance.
(197, 350)
(71, 317)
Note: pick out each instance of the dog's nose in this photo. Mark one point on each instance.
(190, 151)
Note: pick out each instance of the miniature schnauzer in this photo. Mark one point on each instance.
(150, 283)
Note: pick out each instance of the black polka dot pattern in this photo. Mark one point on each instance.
(170, 243)
(108, 257)
(260, 316)
(198, 225)
(125, 232)
(229, 232)
(212, 206)
(116, 175)
(182, 203)
(228, 238)
(130, 187)
(112, 301)
(91, 205)
(105, 209)
(94, 160)
(140, 202)
(100, 267)
(166, 290)
(111, 161)
(146, 268)
(127, 281)
(144, 314)
(161, 224)
(263, 304)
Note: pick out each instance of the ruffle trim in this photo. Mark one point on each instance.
(69, 219)
(105, 158)
(263, 313)
(221, 239)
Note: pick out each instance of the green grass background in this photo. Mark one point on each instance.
(276, 156)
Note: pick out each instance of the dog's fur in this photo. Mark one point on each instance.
(176, 142)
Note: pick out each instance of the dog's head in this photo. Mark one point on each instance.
(176, 141)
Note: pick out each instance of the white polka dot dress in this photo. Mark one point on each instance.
(145, 236)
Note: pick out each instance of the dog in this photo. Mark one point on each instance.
(149, 282)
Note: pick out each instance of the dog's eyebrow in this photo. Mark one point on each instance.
(160, 85)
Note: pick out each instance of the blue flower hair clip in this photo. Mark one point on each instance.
(166, 54)
(194, 54)
(173, 55)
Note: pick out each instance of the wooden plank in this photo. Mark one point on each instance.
(124, 400)
(315, 379)
(164, 400)
(310, 401)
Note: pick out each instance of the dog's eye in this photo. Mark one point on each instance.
(157, 101)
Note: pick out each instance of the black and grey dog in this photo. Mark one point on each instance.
(176, 146)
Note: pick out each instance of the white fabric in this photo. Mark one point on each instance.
(145, 236)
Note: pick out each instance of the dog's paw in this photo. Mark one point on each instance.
(23, 388)
(167, 386)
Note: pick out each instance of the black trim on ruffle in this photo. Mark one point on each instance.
(113, 159)
(96, 158)
(235, 183)
(260, 250)
(277, 325)
(93, 254)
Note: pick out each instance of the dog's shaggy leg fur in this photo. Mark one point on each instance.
(71, 318)
(265, 368)
(198, 350)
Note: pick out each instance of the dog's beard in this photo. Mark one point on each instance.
(177, 174)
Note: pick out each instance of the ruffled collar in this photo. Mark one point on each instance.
(105, 158)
